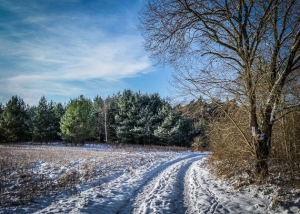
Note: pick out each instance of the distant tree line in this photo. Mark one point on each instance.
(128, 117)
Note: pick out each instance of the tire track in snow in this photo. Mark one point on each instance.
(199, 198)
(117, 194)
(164, 193)
(204, 193)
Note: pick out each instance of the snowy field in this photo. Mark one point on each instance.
(105, 179)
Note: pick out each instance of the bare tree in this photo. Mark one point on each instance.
(101, 109)
(105, 112)
(245, 49)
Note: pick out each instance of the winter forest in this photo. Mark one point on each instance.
(128, 117)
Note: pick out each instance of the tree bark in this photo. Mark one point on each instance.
(263, 148)
(262, 155)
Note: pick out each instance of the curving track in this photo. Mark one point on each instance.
(164, 193)
(180, 185)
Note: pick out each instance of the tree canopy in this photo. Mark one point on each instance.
(45, 122)
(14, 121)
(78, 124)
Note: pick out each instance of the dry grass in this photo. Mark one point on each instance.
(146, 148)
(285, 156)
(25, 173)
(231, 154)
(29, 173)
(200, 143)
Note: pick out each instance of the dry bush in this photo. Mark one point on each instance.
(285, 153)
(200, 143)
(232, 155)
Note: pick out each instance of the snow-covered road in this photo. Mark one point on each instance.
(164, 192)
(150, 189)
(181, 185)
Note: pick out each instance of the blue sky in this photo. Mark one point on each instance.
(62, 49)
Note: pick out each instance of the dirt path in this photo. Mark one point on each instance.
(179, 185)
(164, 193)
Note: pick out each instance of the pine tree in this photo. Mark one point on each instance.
(182, 133)
(14, 121)
(163, 131)
(59, 111)
(1, 108)
(125, 119)
(100, 113)
(147, 118)
(174, 130)
(78, 123)
(44, 122)
(40, 122)
(112, 105)
(31, 113)
(1, 131)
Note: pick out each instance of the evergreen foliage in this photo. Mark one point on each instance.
(174, 129)
(128, 117)
(78, 124)
(112, 109)
(98, 111)
(137, 117)
(1, 108)
(1, 130)
(14, 121)
(125, 117)
(59, 111)
(44, 122)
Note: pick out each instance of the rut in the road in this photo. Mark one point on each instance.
(198, 194)
(164, 193)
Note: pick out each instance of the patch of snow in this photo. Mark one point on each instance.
(261, 136)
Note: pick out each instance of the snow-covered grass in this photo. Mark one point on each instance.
(33, 177)
(279, 196)
(102, 178)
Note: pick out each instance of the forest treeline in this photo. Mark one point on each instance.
(128, 117)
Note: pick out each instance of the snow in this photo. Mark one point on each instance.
(261, 136)
(110, 180)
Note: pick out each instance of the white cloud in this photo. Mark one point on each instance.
(52, 52)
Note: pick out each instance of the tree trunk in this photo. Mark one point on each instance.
(263, 147)
(262, 153)
(105, 125)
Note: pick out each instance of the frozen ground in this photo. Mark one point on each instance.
(110, 180)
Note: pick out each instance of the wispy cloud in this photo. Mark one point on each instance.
(44, 54)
